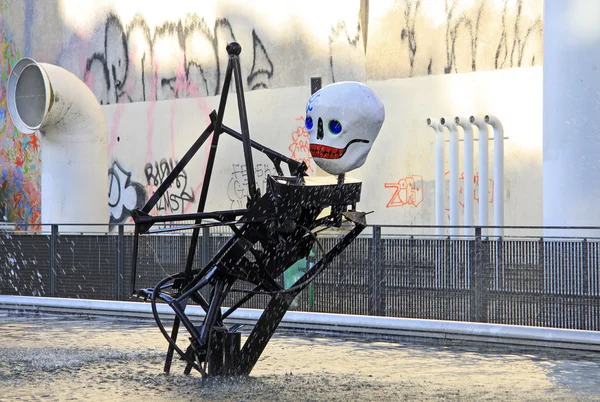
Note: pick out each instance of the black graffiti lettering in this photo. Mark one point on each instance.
(408, 32)
(125, 67)
(124, 195)
(260, 60)
(178, 194)
(518, 43)
(237, 189)
(339, 30)
(452, 33)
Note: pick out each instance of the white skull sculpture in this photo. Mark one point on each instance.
(343, 120)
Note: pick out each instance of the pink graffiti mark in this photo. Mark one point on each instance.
(152, 107)
(181, 84)
(204, 165)
(88, 79)
(114, 131)
(461, 189)
(407, 191)
(182, 87)
(205, 111)
(300, 146)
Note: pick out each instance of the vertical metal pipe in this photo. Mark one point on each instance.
(468, 169)
(498, 172)
(454, 175)
(483, 168)
(439, 175)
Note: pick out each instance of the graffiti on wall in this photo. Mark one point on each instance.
(237, 189)
(407, 191)
(179, 193)
(407, 36)
(300, 145)
(476, 35)
(476, 184)
(20, 184)
(131, 60)
(136, 63)
(124, 194)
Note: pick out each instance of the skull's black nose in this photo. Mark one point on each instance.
(320, 130)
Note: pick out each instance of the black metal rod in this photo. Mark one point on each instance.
(211, 315)
(218, 215)
(162, 329)
(180, 312)
(241, 302)
(239, 87)
(211, 263)
(325, 260)
(296, 168)
(177, 169)
(217, 122)
(196, 287)
(171, 350)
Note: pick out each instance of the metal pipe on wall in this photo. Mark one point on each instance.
(483, 129)
(454, 175)
(74, 141)
(498, 172)
(439, 175)
(468, 156)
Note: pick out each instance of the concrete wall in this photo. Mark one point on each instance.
(159, 69)
(399, 176)
(572, 105)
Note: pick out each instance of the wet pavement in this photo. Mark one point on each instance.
(57, 358)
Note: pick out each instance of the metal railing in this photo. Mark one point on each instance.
(524, 280)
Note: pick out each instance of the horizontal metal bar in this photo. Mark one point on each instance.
(219, 215)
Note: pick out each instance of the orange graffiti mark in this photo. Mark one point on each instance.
(407, 191)
(461, 189)
(300, 146)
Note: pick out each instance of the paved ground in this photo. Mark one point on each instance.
(55, 358)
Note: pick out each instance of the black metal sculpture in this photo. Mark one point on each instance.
(276, 230)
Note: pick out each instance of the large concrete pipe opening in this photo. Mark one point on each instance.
(30, 96)
(74, 155)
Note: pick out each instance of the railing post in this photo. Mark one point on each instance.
(376, 305)
(120, 261)
(544, 315)
(204, 245)
(476, 256)
(585, 290)
(53, 241)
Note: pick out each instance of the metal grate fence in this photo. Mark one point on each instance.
(523, 281)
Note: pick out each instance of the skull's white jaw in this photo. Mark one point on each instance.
(343, 120)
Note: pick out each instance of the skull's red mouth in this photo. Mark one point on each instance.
(327, 152)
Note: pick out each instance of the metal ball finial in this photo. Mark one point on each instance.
(234, 48)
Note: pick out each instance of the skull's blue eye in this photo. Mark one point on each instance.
(308, 123)
(335, 127)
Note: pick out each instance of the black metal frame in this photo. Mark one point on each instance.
(272, 233)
